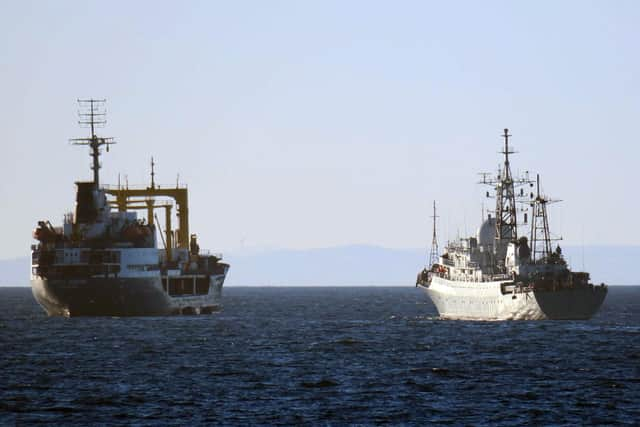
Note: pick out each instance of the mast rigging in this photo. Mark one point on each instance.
(92, 114)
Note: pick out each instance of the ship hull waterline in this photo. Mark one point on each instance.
(485, 301)
(142, 296)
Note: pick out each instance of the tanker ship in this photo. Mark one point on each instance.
(105, 260)
(499, 275)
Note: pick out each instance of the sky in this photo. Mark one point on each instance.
(317, 124)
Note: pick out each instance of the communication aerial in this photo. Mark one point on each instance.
(92, 114)
(540, 235)
(505, 193)
(434, 254)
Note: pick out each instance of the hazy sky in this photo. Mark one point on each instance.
(308, 124)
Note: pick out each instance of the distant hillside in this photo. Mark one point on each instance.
(346, 265)
(367, 265)
(371, 265)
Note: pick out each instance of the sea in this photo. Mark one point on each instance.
(319, 356)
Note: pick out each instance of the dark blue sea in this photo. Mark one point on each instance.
(320, 356)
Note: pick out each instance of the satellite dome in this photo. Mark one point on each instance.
(487, 232)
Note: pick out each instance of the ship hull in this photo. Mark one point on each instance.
(137, 296)
(488, 301)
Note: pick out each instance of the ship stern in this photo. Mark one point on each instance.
(571, 303)
(101, 297)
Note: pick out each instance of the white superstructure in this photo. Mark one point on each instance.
(497, 275)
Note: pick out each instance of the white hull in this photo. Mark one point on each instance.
(486, 301)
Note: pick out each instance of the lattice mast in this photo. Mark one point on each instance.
(435, 253)
(92, 114)
(153, 174)
(540, 235)
(506, 229)
(506, 218)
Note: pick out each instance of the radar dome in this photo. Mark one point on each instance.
(487, 232)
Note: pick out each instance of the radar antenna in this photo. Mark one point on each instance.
(434, 254)
(92, 114)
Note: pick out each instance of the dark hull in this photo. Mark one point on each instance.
(117, 297)
(572, 303)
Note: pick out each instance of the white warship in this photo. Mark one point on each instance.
(105, 261)
(498, 275)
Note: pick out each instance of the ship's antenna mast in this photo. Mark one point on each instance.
(153, 174)
(506, 220)
(504, 185)
(433, 255)
(92, 114)
(540, 235)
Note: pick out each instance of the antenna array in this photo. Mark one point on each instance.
(506, 196)
(92, 114)
(434, 254)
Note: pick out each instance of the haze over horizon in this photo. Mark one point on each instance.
(305, 125)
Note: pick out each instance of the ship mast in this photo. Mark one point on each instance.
(92, 114)
(153, 174)
(506, 220)
(506, 229)
(433, 255)
(540, 236)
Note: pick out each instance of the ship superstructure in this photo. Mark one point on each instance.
(499, 274)
(106, 260)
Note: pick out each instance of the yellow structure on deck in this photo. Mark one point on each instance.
(180, 195)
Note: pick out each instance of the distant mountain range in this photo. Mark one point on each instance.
(363, 265)
(343, 265)
(372, 265)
